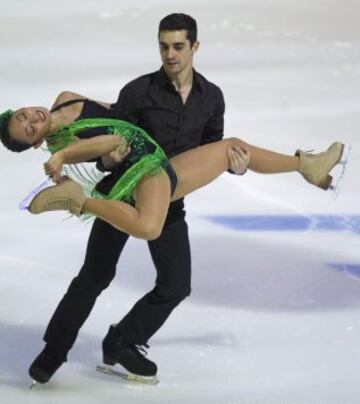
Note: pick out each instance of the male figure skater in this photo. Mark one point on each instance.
(181, 110)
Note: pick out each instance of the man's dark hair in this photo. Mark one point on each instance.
(6, 139)
(178, 22)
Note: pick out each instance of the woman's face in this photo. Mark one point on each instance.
(30, 125)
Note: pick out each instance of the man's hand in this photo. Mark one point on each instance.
(54, 165)
(239, 158)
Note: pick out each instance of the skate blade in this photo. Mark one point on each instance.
(34, 384)
(339, 178)
(25, 203)
(129, 377)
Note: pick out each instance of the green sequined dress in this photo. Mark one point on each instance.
(146, 158)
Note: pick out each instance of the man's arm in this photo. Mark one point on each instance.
(124, 109)
(214, 128)
(214, 131)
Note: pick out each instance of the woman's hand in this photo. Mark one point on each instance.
(119, 154)
(54, 165)
(116, 156)
(239, 159)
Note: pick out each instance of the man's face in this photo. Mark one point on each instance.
(30, 125)
(176, 51)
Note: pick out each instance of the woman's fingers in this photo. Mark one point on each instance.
(52, 170)
(119, 154)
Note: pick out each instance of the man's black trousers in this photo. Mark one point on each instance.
(171, 256)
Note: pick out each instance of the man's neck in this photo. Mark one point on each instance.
(182, 80)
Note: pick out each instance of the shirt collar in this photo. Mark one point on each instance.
(162, 80)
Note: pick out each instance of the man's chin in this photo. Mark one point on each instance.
(172, 69)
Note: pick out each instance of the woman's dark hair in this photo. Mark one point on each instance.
(178, 22)
(5, 137)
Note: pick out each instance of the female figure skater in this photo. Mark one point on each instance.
(135, 199)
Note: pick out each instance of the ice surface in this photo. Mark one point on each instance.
(274, 316)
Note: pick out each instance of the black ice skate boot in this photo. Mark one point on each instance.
(130, 356)
(46, 364)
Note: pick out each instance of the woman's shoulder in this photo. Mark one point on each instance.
(65, 96)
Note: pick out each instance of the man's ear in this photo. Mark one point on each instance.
(37, 144)
(195, 47)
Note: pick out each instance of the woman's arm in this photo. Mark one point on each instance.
(69, 95)
(81, 151)
(88, 149)
(116, 157)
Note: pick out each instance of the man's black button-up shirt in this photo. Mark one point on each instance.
(152, 103)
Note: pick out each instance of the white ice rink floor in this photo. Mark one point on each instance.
(274, 315)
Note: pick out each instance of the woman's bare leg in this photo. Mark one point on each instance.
(195, 169)
(266, 161)
(200, 166)
(147, 218)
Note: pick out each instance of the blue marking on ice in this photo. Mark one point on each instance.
(353, 269)
(350, 223)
